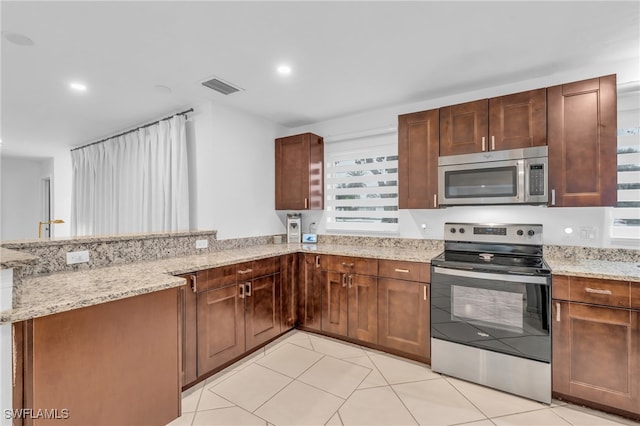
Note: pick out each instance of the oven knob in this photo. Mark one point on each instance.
(453, 230)
(461, 230)
(520, 232)
(530, 233)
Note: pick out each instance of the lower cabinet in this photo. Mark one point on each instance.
(228, 311)
(309, 291)
(188, 332)
(596, 342)
(221, 327)
(350, 298)
(404, 308)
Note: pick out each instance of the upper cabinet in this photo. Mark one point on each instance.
(418, 147)
(300, 172)
(506, 122)
(582, 143)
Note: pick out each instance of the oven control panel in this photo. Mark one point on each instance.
(509, 233)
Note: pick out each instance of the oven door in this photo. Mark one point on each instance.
(505, 313)
(495, 182)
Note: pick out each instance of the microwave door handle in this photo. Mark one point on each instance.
(522, 185)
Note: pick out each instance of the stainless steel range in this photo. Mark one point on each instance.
(490, 308)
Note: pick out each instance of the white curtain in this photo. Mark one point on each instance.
(133, 183)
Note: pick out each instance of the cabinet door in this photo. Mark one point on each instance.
(188, 302)
(518, 120)
(299, 172)
(596, 353)
(582, 120)
(310, 291)
(262, 299)
(418, 149)
(220, 327)
(403, 316)
(363, 308)
(464, 128)
(288, 283)
(334, 303)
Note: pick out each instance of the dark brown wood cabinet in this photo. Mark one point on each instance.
(262, 306)
(114, 363)
(418, 150)
(289, 272)
(404, 307)
(238, 308)
(349, 297)
(188, 335)
(464, 128)
(582, 130)
(221, 327)
(596, 343)
(309, 291)
(517, 120)
(300, 172)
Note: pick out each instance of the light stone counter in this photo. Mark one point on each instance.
(590, 268)
(13, 258)
(64, 291)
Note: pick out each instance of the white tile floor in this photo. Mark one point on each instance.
(306, 379)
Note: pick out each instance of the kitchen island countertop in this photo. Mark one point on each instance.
(64, 291)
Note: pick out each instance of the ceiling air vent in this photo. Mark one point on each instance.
(220, 86)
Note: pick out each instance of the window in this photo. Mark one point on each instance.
(362, 184)
(626, 216)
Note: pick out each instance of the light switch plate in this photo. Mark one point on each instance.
(74, 257)
(202, 244)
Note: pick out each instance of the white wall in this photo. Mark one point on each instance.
(594, 221)
(234, 158)
(21, 196)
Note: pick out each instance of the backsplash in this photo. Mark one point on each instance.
(592, 253)
(383, 242)
(112, 250)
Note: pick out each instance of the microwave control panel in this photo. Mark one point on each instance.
(536, 179)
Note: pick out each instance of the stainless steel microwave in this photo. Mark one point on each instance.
(514, 176)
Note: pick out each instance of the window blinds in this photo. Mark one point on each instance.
(362, 184)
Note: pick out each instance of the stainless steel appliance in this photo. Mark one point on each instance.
(490, 308)
(514, 176)
(294, 228)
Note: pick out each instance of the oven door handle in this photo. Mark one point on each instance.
(526, 279)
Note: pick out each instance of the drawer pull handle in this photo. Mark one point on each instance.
(348, 265)
(245, 271)
(597, 291)
(404, 271)
(557, 312)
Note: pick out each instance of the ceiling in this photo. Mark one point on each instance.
(347, 57)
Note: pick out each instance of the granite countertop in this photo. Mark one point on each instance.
(590, 268)
(60, 292)
(13, 258)
(64, 291)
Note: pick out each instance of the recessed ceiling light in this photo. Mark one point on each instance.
(284, 69)
(19, 39)
(78, 87)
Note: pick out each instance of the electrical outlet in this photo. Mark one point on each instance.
(202, 244)
(74, 257)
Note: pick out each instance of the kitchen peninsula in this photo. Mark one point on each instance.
(131, 307)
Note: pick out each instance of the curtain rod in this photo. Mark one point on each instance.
(134, 130)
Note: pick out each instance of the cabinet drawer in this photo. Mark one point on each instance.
(353, 265)
(258, 268)
(401, 270)
(592, 290)
(216, 278)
